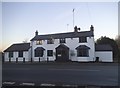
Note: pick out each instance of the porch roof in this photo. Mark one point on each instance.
(39, 48)
(62, 46)
(82, 47)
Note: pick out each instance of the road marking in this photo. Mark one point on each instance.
(75, 69)
(45, 84)
(10, 83)
(28, 84)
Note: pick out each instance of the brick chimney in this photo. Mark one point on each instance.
(36, 33)
(75, 29)
(91, 28)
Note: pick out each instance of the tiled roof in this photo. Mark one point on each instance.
(63, 35)
(18, 47)
(103, 47)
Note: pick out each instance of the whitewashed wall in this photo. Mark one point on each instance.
(104, 56)
(26, 55)
(6, 56)
(72, 43)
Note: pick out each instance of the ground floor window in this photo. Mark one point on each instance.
(82, 53)
(38, 53)
(10, 54)
(20, 54)
(49, 52)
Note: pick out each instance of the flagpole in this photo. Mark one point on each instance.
(73, 18)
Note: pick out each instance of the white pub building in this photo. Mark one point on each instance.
(70, 46)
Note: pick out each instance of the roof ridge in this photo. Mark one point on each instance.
(63, 33)
(20, 43)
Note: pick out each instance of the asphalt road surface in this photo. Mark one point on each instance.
(101, 74)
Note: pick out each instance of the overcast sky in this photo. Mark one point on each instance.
(20, 20)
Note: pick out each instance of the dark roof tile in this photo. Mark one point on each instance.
(18, 47)
(63, 35)
(103, 47)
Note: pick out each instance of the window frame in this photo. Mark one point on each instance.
(49, 53)
(10, 54)
(50, 41)
(38, 53)
(20, 54)
(82, 53)
(62, 40)
(82, 39)
(39, 42)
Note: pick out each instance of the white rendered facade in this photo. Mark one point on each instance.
(72, 43)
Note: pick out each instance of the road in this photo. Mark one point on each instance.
(61, 74)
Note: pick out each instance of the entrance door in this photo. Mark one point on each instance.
(62, 53)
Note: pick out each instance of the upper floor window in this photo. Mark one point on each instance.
(39, 42)
(50, 41)
(62, 40)
(82, 39)
(20, 54)
(10, 54)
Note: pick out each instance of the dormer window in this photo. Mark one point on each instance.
(39, 42)
(82, 39)
(62, 40)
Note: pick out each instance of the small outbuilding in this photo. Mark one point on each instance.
(17, 52)
(103, 53)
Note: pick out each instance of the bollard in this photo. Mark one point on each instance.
(16, 60)
(23, 60)
(9, 59)
(39, 59)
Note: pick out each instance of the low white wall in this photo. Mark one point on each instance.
(51, 59)
(20, 59)
(104, 56)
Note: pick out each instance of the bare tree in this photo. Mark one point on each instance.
(25, 40)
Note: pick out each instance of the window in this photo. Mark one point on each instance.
(49, 52)
(82, 53)
(50, 41)
(20, 54)
(39, 42)
(38, 53)
(62, 40)
(82, 39)
(10, 54)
